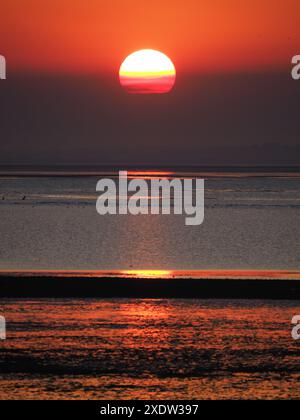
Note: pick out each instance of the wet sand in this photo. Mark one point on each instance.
(149, 349)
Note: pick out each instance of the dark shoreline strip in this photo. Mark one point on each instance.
(87, 287)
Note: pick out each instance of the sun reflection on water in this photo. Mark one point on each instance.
(156, 274)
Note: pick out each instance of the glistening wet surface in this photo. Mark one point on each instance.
(139, 348)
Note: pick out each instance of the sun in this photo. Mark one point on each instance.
(146, 72)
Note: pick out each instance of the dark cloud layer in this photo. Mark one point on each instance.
(219, 119)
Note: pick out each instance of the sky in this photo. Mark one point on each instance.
(234, 100)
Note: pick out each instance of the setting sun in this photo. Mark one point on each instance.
(147, 71)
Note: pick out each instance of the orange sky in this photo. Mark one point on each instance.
(200, 36)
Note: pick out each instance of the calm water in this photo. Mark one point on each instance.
(149, 349)
(51, 223)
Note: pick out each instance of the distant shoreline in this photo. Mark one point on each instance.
(111, 170)
(40, 286)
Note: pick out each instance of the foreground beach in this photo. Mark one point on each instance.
(149, 349)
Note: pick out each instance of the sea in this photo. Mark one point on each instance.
(51, 223)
